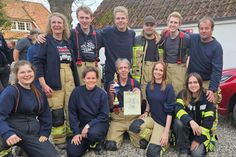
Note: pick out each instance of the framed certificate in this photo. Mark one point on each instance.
(132, 103)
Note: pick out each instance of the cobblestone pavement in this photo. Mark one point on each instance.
(226, 146)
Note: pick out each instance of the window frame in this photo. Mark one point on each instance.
(21, 26)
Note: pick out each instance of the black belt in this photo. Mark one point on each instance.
(65, 62)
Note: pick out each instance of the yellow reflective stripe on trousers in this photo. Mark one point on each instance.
(5, 152)
(205, 132)
(58, 130)
(93, 145)
(145, 134)
(206, 144)
(208, 114)
(180, 101)
(180, 113)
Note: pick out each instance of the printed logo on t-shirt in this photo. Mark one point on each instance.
(64, 53)
(88, 47)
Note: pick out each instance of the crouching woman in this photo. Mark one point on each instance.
(88, 115)
(25, 118)
(161, 100)
(194, 118)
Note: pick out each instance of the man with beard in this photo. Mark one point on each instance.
(145, 54)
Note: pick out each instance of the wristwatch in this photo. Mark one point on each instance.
(87, 126)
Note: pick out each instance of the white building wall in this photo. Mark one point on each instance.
(224, 32)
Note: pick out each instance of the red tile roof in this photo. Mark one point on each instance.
(191, 10)
(33, 12)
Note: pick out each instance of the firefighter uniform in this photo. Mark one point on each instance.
(152, 128)
(176, 74)
(218, 98)
(27, 116)
(175, 56)
(59, 100)
(85, 48)
(203, 113)
(206, 59)
(56, 64)
(145, 54)
(119, 122)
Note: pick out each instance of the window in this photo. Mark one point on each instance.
(28, 26)
(13, 25)
(21, 26)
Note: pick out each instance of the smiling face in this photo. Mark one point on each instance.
(85, 20)
(121, 21)
(25, 75)
(173, 24)
(123, 70)
(57, 25)
(149, 28)
(90, 80)
(158, 73)
(193, 85)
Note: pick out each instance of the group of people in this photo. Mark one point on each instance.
(63, 97)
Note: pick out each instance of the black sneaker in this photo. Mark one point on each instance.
(183, 153)
(143, 144)
(97, 148)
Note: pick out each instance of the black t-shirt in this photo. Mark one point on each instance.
(64, 52)
(151, 53)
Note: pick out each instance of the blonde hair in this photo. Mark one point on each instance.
(120, 9)
(177, 15)
(66, 31)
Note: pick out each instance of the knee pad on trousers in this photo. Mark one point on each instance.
(111, 145)
(135, 126)
(143, 144)
(58, 117)
(153, 150)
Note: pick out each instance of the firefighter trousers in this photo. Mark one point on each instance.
(96, 134)
(218, 98)
(27, 128)
(119, 125)
(59, 100)
(151, 131)
(146, 76)
(176, 75)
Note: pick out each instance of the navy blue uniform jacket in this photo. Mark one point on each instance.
(47, 62)
(87, 107)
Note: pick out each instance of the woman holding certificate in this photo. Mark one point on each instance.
(161, 100)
